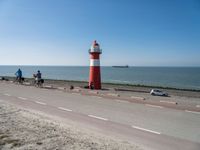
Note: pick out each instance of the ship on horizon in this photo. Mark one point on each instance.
(126, 66)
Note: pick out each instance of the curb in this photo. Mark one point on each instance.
(48, 87)
(169, 102)
(113, 94)
(138, 98)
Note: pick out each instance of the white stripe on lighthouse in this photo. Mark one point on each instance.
(94, 62)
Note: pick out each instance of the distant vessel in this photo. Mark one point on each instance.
(121, 66)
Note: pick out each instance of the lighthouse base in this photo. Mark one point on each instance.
(95, 78)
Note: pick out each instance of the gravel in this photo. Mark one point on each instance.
(22, 129)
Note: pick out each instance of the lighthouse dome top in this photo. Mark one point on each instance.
(95, 48)
(95, 43)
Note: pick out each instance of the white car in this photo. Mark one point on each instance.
(156, 92)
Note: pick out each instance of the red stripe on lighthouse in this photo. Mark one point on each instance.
(95, 77)
(94, 56)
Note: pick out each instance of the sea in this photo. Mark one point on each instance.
(173, 77)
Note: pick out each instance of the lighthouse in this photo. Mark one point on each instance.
(95, 72)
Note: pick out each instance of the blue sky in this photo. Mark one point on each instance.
(133, 32)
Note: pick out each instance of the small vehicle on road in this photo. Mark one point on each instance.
(156, 92)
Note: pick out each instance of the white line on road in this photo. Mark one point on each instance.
(41, 103)
(169, 102)
(76, 93)
(137, 98)
(198, 106)
(65, 109)
(122, 101)
(23, 98)
(7, 94)
(153, 106)
(96, 97)
(194, 112)
(98, 117)
(143, 129)
(93, 92)
(113, 94)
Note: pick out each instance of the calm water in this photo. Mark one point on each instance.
(178, 77)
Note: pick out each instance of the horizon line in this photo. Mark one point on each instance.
(89, 66)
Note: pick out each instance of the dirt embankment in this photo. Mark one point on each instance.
(23, 130)
(119, 87)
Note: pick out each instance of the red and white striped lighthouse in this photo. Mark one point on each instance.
(95, 73)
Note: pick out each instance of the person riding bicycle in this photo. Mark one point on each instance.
(19, 75)
(38, 76)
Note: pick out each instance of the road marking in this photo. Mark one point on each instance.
(94, 92)
(96, 97)
(98, 117)
(121, 101)
(198, 106)
(38, 98)
(113, 94)
(65, 109)
(61, 88)
(23, 98)
(59, 91)
(153, 106)
(194, 112)
(76, 93)
(143, 129)
(169, 102)
(76, 90)
(41, 103)
(137, 98)
(48, 86)
(27, 83)
(7, 94)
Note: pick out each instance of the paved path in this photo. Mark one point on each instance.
(150, 126)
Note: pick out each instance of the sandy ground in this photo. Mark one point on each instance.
(22, 129)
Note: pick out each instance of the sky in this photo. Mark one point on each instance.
(130, 32)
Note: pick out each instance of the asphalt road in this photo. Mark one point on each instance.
(149, 126)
